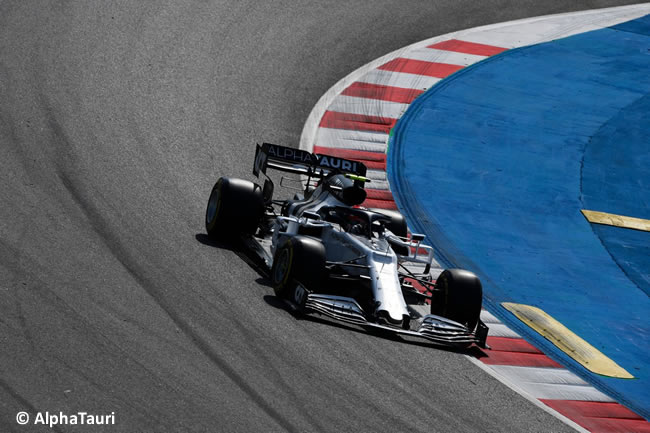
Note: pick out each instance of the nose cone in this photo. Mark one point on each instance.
(387, 290)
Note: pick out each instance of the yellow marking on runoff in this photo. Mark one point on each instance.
(568, 342)
(611, 219)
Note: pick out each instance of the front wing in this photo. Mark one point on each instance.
(437, 329)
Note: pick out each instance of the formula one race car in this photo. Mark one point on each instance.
(325, 254)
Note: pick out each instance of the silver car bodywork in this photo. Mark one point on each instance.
(365, 256)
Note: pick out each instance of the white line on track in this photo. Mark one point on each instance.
(515, 386)
(551, 383)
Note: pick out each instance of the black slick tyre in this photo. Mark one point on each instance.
(300, 259)
(458, 296)
(235, 206)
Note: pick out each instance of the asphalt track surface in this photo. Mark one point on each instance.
(115, 120)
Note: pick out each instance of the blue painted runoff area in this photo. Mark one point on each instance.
(495, 163)
(616, 179)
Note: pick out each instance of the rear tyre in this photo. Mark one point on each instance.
(299, 260)
(235, 206)
(458, 296)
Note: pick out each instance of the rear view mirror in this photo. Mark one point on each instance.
(417, 237)
(311, 215)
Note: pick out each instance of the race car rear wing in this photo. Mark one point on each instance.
(302, 162)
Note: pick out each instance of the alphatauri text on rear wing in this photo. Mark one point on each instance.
(302, 162)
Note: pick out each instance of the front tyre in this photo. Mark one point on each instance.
(235, 206)
(458, 296)
(299, 260)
